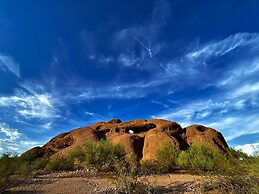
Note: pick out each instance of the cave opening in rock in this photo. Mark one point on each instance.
(140, 128)
(200, 128)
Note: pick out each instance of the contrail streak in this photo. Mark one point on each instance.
(163, 67)
(144, 46)
(150, 54)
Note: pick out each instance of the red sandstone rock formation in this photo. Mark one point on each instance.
(140, 137)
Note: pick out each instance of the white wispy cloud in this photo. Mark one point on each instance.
(116, 91)
(12, 134)
(30, 106)
(128, 60)
(7, 63)
(196, 64)
(94, 117)
(8, 138)
(194, 110)
(14, 141)
(220, 48)
(233, 115)
(243, 70)
(90, 113)
(234, 126)
(247, 89)
(160, 103)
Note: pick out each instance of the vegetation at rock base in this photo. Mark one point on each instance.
(167, 156)
(233, 169)
(101, 155)
(59, 164)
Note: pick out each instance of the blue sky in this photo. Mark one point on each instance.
(67, 64)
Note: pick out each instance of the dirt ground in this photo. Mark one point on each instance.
(82, 182)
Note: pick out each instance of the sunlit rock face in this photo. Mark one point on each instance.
(140, 137)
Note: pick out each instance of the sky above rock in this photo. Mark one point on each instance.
(67, 64)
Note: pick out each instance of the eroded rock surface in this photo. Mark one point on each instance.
(140, 137)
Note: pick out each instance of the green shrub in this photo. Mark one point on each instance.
(59, 164)
(27, 164)
(236, 154)
(24, 169)
(28, 157)
(238, 162)
(5, 170)
(254, 167)
(234, 162)
(77, 154)
(253, 164)
(167, 156)
(39, 164)
(103, 154)
(4, 180)
(201, 157)
(5, 162)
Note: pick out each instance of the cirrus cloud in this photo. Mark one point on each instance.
(7, 63)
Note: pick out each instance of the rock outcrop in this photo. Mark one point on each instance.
(140, 137)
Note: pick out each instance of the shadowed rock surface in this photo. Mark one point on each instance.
(140, 137)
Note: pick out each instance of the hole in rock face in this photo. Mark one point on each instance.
(200, 128)
(140, 128)
(100, 134)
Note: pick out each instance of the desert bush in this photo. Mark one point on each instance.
(234, 162)
(132, 164)
(102, 155)
(201, 157)
(59, 164)
(28, 157)
(25, 164)
(128, 165)
(131, 185)
(5, 170)
(150, 167)
(4, 179)
(236, 154)
(167, 156)
(234, 184)
(238, 162)
(77, 156)
(39, 164)
(24, 169)
(252, 165)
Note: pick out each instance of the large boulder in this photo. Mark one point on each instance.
(205, 135)
(133, 144)
(65, 142)
(153, 141)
